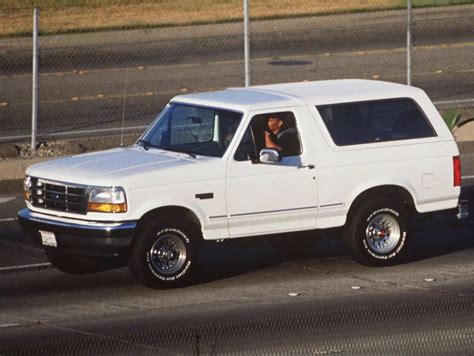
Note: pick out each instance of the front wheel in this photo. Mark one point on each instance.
(378, 233)
(164, 254)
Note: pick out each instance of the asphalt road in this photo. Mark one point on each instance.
(85, 77)
(248, 300)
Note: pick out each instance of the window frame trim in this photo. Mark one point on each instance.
(269, 113)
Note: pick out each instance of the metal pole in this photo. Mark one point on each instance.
(409, 44)
(34, 109)
(124, 106)
(246, 43)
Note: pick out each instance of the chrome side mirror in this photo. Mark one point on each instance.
(269, 155)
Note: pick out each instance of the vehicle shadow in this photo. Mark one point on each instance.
(442, 240)
(232, 258)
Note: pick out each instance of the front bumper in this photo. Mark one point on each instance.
(90, 239)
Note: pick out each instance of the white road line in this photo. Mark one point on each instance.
(461, 101)
(7, 219)
(9, 325)
(6, 199)
(467, 177)
(25, 267)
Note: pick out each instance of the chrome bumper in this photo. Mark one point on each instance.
(93, 239)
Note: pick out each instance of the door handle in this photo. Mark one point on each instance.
(309, 166)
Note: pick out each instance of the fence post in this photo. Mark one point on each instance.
(246, 43)
(35, 86)
(409, 43)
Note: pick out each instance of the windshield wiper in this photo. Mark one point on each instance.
(146, 144)
(179, 151)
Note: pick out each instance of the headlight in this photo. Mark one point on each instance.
(107, 200)
(26, 188)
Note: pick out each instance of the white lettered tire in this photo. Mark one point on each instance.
(164, 253)
(378, 233)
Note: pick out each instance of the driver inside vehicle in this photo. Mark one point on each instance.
(284, 140)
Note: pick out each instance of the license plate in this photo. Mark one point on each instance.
(48, 238)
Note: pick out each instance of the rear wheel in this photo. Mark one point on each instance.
(378, 233)
(164, 253)
(75, 264)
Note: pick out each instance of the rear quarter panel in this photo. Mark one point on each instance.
(424, 167)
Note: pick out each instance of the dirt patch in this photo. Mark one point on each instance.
(465, 132)
(59, 148)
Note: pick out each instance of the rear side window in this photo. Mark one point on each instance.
(375, 121)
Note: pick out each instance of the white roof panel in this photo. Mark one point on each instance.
(302, 93)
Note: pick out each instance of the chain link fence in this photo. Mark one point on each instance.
(443, 54)
(328, 47)
(104, 65)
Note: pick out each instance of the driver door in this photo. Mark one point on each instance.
(265, 198)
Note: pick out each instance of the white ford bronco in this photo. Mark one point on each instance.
(264, 160)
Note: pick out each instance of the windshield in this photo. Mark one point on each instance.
(193, 129)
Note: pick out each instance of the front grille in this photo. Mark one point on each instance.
(58, 196)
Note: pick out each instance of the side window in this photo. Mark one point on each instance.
(375, 121)
(273, 130)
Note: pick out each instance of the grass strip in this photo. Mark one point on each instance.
(76, 16)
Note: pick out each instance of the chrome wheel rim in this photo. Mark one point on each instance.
(383, 233)
(168, 254)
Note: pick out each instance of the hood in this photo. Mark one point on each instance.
(108, 168)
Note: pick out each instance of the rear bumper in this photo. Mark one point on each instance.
(463, 210)
(93, 239)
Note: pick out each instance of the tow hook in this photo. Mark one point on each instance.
(463, 210)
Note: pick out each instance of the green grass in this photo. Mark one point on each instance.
(451, 117)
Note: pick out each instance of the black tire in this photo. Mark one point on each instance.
(75, 264)
(164, 254)
(378, 233)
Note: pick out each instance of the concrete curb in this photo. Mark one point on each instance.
(12, 173)
(15, 169)
(14, 186)
(12, 169)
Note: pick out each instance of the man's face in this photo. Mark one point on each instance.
(274, 124)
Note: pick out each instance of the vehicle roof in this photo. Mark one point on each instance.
(301, 93)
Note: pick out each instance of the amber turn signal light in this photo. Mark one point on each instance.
(107, 208)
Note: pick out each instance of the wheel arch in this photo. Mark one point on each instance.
(170, 211)
(394, 192)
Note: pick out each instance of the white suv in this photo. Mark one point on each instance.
(264, 160)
